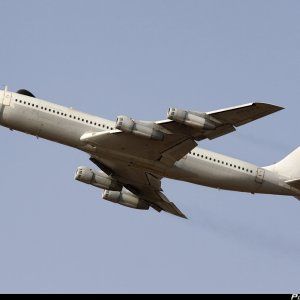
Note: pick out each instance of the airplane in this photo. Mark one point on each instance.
(134, 156)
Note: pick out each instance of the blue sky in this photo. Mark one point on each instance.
(138, 58)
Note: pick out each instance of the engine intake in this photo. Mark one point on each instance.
(192, 119)
(139, 128)
(97, 179)
(126, 199)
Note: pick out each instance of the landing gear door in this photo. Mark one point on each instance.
(6, 97)
(260, 176)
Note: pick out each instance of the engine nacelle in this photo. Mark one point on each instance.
(126, 199)
(142, 129)
(192, 119)
(97, 179)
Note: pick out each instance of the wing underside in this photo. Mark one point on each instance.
(143, 184)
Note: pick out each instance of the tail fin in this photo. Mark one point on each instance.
(289, 166)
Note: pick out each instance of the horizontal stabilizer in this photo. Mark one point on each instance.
(294, 183)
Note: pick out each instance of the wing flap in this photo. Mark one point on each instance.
(220, 131)
(170, 156)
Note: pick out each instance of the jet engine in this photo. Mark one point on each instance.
(143, 129)
(192, 119)
(126, 199)
(97, 179)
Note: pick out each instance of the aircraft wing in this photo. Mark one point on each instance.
(179, 139)
(226, 119)
(130, 147)
(142, 183)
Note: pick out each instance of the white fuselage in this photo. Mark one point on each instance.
(66, 126)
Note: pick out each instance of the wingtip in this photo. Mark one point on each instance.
(274, 107)
(278, 108)
(183, 216)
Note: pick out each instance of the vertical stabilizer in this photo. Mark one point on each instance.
(289, 166)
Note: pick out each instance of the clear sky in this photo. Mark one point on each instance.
(138, 58)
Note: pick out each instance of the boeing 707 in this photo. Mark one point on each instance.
(132, 157)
